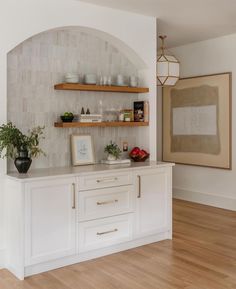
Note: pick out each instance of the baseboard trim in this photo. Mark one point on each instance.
(205, 199)
(2, 258)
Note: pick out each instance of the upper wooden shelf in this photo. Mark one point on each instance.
(104, 88)
(99, 124)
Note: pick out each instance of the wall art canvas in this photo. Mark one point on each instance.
(197, 121)
(82, 150)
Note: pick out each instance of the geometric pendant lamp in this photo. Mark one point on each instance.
(167, 66)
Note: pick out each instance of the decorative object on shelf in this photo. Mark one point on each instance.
(146, 111)
(138, 155)
(90, 118)
(67, 117)
(19, 147)
(82, 111)
(128, 115)
(121, 116)
(82, 150)
(113, 151)
(90, 78)
(167, 66)
(109, 80)
(133, 81)
(72, 78)
(197, 121)
(87, 111)
(139, 111)
(120, 80)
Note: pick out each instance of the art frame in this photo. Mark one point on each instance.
(82, 150)
(197, 121)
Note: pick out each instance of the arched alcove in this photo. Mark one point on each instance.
(35, 65)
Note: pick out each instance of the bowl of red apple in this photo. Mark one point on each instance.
(138, 155)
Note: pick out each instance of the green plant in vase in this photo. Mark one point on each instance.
(20, 147)
(113, 151)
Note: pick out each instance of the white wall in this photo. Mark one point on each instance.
(20, 20)
(206, 185)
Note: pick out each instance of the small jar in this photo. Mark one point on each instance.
(121, 116)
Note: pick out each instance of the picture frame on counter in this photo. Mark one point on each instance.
(82, 150)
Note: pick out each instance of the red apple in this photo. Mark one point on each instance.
(142, 154)
(145, 152)
(135, 151)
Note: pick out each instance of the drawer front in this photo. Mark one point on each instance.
(106, 202)
(105, 232)
(97, 181)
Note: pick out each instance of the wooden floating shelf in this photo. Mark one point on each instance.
(104, 88)
(99, 124)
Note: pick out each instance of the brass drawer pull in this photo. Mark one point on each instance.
(73, 187)
(107, 202)
(107, 232)
(107, 180)
(139, 187)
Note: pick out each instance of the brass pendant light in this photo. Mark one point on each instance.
(167, 66)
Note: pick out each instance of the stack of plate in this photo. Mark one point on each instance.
(71, 78)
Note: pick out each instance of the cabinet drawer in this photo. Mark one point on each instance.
(105, 202)
(104, 181)
(105, 232)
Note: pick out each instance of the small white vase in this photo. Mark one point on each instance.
(111, 157)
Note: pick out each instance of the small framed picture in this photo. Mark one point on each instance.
(82, 150)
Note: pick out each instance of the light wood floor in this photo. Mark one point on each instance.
(202, 255)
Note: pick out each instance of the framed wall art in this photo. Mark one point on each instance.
(197, 121)
(82, 150)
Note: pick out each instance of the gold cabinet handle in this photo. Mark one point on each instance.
(139, 187)
(107, 232)
(107, 180)
(107, 202)
(73, 202)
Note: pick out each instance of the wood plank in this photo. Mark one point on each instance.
(104, 88)
(202, 255)
(99, 124)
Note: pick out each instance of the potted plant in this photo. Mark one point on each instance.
(19, 147)
(113, 151)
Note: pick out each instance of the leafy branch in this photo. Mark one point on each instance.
(13, 141)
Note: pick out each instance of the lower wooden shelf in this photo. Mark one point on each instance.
(99, 124)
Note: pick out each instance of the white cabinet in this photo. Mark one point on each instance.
(154, 198)
(50, 224)
(60, 220)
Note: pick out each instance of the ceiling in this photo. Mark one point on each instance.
(183, 21)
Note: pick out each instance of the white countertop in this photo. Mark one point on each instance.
(79, 170)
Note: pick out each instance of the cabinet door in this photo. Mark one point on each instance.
(154, 201)
(50, 220)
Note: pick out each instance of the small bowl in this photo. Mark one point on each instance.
(139, 158)
(67, 118)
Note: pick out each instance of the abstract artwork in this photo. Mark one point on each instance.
(197, 121)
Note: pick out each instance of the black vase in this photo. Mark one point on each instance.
(23, 162)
